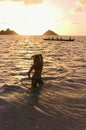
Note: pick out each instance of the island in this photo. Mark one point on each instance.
(50, 32)
(8, 32)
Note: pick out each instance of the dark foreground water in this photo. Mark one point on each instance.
(60, 104)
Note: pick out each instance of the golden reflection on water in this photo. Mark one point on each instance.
(63, 93)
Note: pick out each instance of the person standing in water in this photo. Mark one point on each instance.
(37, 67)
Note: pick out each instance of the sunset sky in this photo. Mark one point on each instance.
(34, 17)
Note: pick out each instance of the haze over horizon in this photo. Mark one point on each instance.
(34, 17)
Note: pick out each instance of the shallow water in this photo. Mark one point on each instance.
(60, 104)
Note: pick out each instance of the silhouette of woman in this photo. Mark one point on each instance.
(37, 67)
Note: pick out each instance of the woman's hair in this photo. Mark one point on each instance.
(38, 60)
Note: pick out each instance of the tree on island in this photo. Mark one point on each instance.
(8, 32)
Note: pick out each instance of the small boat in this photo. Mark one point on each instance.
(60, 39)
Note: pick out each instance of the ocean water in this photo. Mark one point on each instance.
(60, 104)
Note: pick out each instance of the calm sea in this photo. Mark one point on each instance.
(60, 104)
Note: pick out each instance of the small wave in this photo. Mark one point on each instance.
(10, 88)
(44, 78)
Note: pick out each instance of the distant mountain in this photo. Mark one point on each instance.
(49, 32)
(8, 32)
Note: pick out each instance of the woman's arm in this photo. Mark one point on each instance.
(32, 67)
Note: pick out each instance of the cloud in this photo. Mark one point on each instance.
(77, 10)
(76, 23)
(32, 1)
(27, 1)
(81, 2)
(79, 7)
